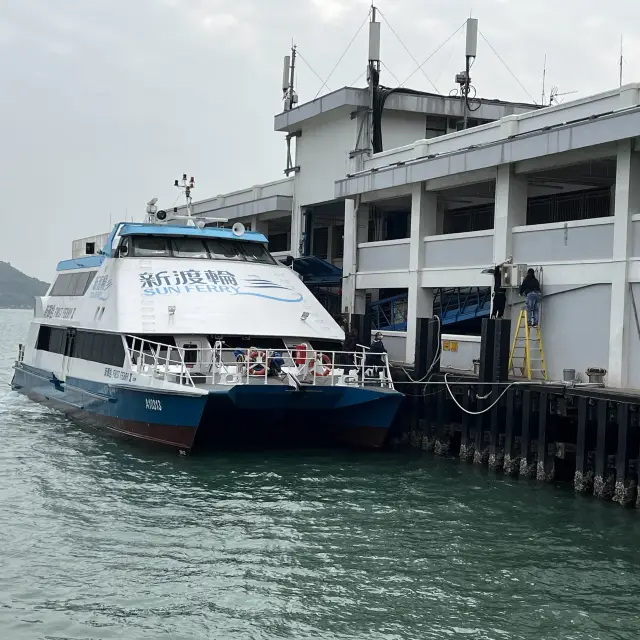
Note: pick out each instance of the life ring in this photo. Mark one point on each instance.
(257, 368)
(326, 365)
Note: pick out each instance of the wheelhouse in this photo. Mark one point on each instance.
(153, 241)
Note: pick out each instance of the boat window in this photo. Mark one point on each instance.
(80, 284)
(51, 339)
(151, 247)
(189, 248)
(190, 353)
(72, 284)
(105, 348)
(224, 249)
(256, 252)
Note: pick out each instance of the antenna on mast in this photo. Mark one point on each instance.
(554, 95)
(373, 68)
(464, 78)
(289, 94)
(186, 186)
(290, 98)
(544, 78)
(621, 60)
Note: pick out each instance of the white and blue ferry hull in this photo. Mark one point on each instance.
(243, 415)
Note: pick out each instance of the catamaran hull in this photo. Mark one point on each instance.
(245, 415)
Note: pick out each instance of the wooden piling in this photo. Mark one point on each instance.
(496, 452)
(546, 453)
(511, 458)
(442, 438)
(603, 480)
(527, 466)
(625, 492)
(583, 476)
(466, 443)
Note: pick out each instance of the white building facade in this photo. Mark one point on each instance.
(585, 152)
(554, 188)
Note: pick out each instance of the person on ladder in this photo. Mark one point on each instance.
(499, 293)
(530, 289)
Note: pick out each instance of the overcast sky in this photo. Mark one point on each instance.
(105, 102)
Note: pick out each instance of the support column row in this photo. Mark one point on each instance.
(424, 205)
(627, 203)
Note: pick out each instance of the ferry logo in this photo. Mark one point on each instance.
(196, 281)
(190, 276)
(276, 291)
(100, 287)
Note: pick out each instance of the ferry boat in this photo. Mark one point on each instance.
(183, 332)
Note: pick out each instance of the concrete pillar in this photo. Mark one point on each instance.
(424, 207)
(510, 211)
(356, 228)
(261, 226)
(296, 230)
(440, 220)
(626, 204)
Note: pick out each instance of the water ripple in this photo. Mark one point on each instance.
(103, 539)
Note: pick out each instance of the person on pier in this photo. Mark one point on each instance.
(499, 293)
(530, 289)
(374, 357)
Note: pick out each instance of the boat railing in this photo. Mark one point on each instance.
(218, 365)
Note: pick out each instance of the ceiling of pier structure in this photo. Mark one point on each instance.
(593, 174)
(468, 195)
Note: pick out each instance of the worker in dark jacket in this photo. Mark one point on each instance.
(499, 294)
(374, 357)
(530, 289)
(349, 346)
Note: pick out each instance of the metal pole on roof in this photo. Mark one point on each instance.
(373, 70)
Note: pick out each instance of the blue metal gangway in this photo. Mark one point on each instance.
(452, 305)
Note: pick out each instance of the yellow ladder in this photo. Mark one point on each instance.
(527, 351)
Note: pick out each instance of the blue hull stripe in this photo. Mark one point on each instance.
(175, 418)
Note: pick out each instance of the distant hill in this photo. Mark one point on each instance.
(18, 290)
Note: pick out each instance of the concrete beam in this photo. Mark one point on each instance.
(383, 280)
(562, 139)
(463, 179)
(566, 159)
(387, 194)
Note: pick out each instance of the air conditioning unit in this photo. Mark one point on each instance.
(512, 275)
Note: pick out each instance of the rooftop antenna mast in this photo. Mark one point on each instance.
(186, 186)
(544, 79)
(464, 78)
(554, 95)
(289, 94)
(373, 70)
(621, 61)
(290, 98)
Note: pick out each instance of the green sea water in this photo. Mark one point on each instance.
(100, 538)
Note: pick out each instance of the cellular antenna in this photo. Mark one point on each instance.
(289, 94)
(463, 79)
(544, 79)
(290, 98)
(621, 61)
(373, 68)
